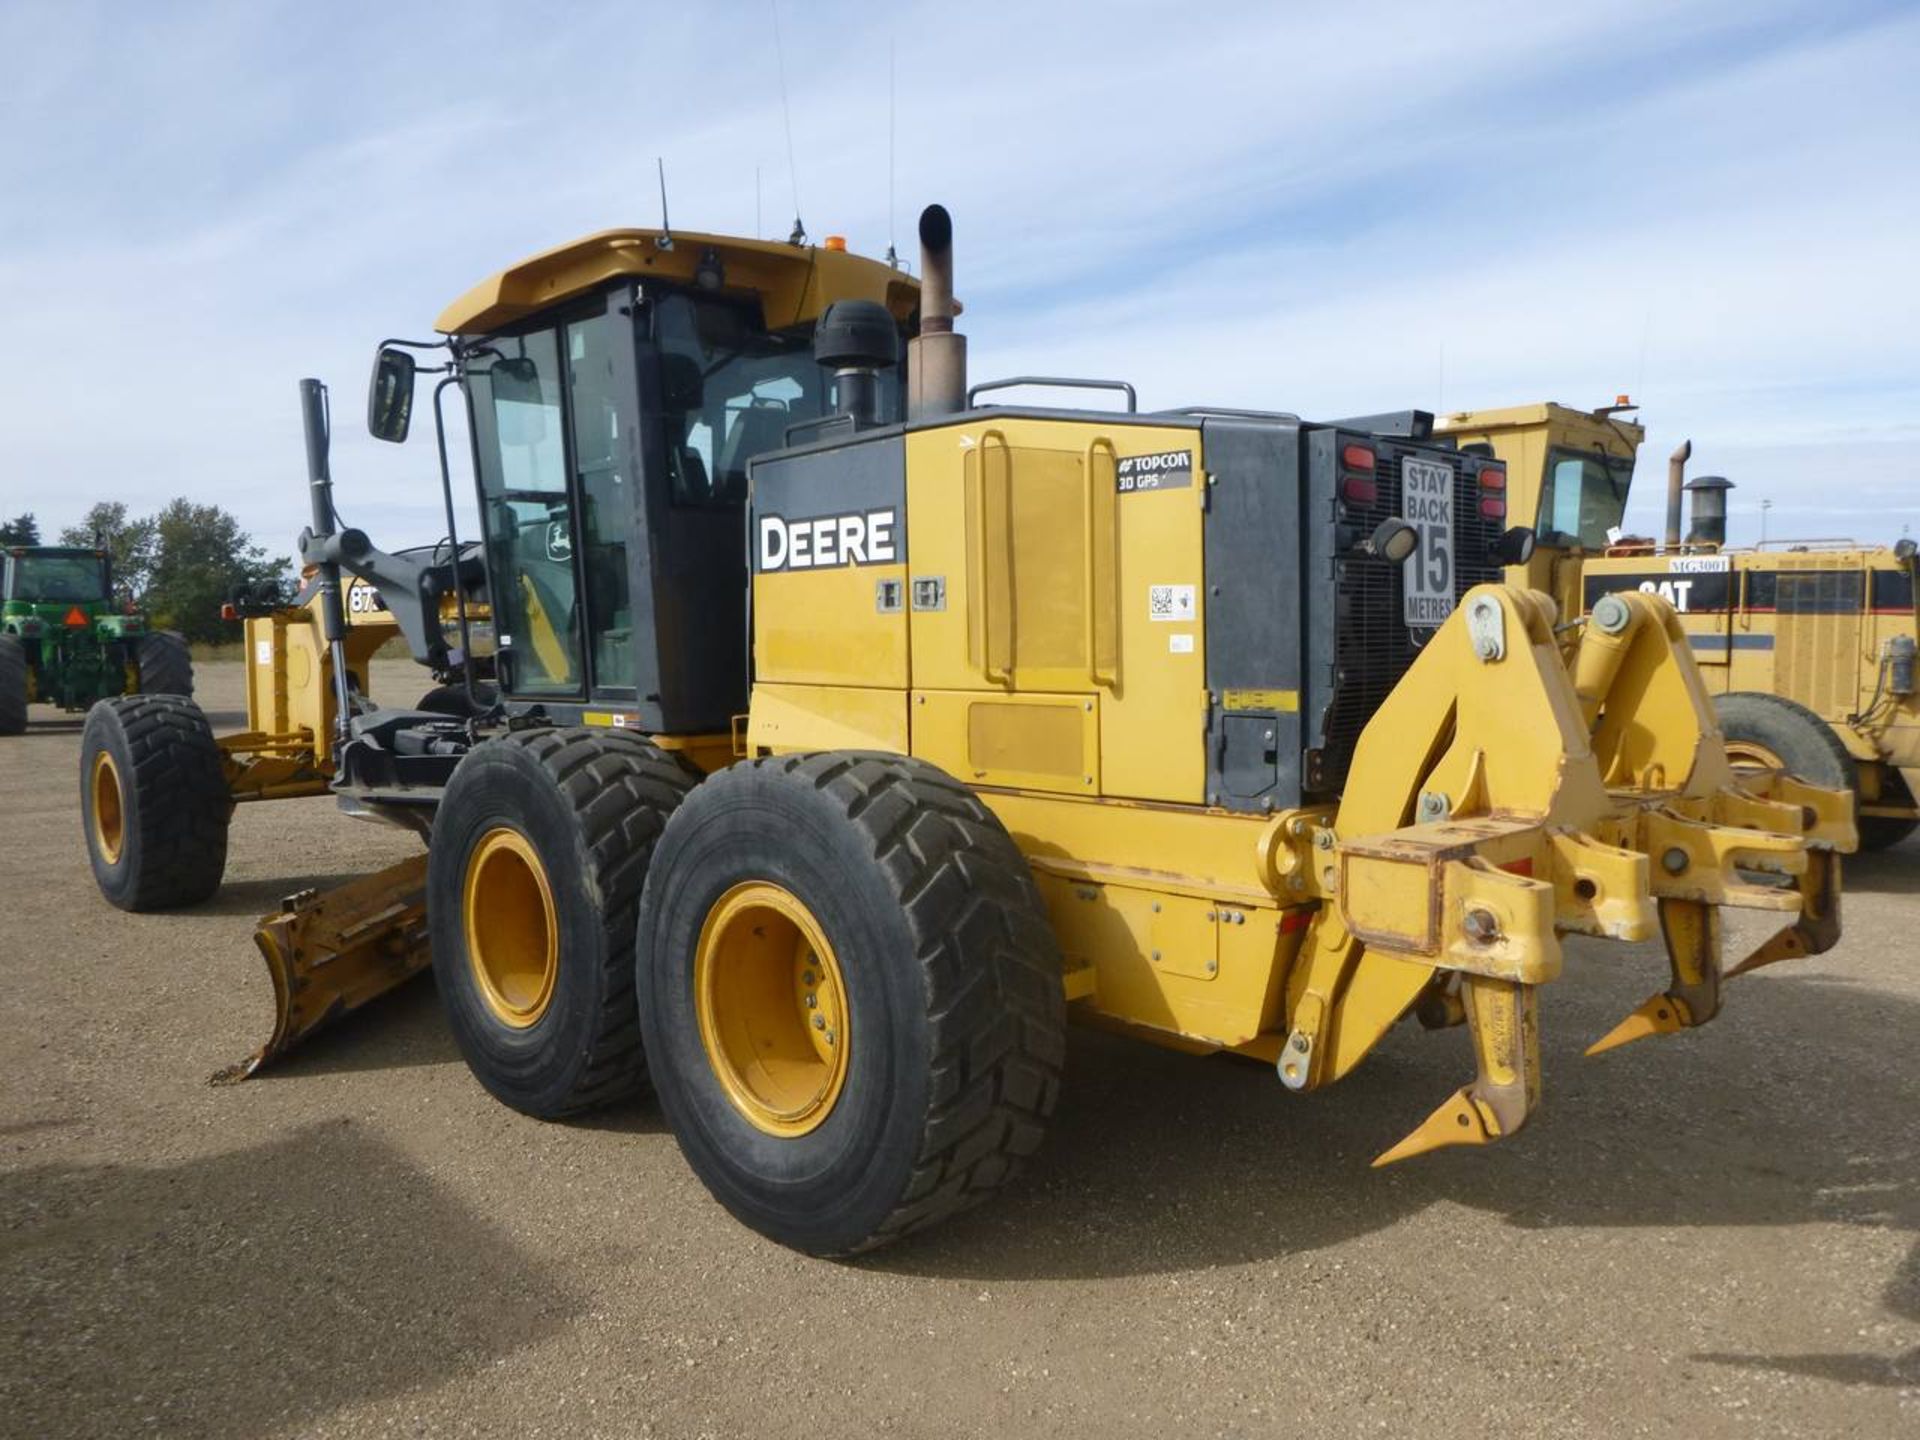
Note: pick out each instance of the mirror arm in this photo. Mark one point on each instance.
(401, 583)
(453, 541)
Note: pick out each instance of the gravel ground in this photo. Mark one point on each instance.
(1703, 1236)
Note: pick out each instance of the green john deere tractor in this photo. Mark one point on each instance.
(63, 641)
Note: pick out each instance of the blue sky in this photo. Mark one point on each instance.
(1328, 209)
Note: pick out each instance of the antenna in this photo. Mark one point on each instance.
(1646, 338)
(893, 256)
(758, 228)
(799, 235)
(665, 242)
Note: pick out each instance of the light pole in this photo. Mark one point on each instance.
(1765, 506)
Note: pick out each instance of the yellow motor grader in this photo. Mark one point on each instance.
(1807, 646)
(852, 732)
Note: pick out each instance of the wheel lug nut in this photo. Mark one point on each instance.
(819, 1022)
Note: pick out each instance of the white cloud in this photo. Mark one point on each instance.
(1317, 208)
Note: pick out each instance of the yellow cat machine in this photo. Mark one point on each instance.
(852, 733)
(1807, 646)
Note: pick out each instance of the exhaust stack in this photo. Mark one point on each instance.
(936, 357)
(1676, 481)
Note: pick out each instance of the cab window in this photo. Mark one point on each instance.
(529, 521)
(728, 392)
(606, 496)
(57, 579)
(1582, 497)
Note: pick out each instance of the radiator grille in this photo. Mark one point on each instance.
(1373, 647)
(1817, 651)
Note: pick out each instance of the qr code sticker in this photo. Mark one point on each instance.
(1170, 602)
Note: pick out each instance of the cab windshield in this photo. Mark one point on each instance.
(61, 579)
(1582, 497)
(728, 390)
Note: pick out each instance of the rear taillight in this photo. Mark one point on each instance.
(1494, 507)
(1493, 477)
(1357, 485)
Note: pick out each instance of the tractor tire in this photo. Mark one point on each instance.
(13, 686)
(1775, 731)
(1883, 832)
(165, 664)
(539, 851)
(154, 802)
(850, 997)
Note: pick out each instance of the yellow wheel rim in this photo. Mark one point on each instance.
(109, 810)
(773, 1009)
(513, 941)
(1752, 755)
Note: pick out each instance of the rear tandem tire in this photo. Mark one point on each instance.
(154, 802)
(13, 686)
(1883, 832)
(891, 890)
(539, 851)
(165, 664)
(1773, 728)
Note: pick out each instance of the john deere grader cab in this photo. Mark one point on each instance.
(851, 734)
(64, 642)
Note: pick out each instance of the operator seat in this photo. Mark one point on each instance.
(682, 393)
(755, 430)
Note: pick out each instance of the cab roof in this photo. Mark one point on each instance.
(1526, 417)
(794, 283)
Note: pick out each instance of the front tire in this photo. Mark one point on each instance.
(164, 663)
(850, 997)
(1775, 731)
(13, 686)
(539, 849)
(154, 802)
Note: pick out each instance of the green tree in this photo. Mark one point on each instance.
(200, 554)
(21, 530)
(130, 542)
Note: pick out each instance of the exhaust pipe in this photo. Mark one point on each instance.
(1676, 480)
(936, 357)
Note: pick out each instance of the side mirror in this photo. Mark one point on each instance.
(390, 396)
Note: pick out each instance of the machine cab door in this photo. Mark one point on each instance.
(527, 513)
(611, 442)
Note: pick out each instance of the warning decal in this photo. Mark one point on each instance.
(1170, 602)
